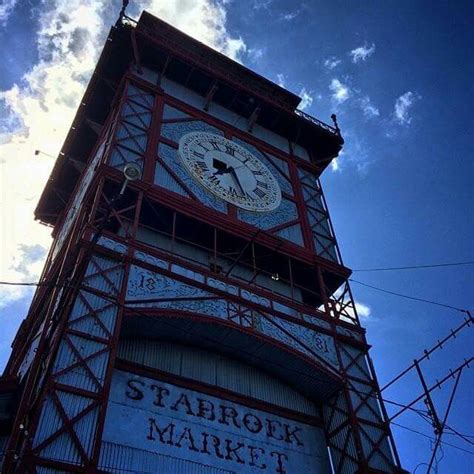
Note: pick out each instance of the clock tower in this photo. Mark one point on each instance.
(194, 313)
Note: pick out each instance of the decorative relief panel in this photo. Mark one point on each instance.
(148, 289)
(286, 212)
(220, 285)
(302, 339)
(146, 257)
(175, 130)
(143, 285)
(214, 307)
(112, 244)
(320, 344)
(176, 175)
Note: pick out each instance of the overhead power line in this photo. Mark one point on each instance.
(13, 283)
(431, 438)
(414, 298)
(138, 312)
(21, 283)
(413, 267)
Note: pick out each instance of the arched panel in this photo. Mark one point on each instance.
(215, 369)
(316, 381)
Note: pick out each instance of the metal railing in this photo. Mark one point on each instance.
(317, 122)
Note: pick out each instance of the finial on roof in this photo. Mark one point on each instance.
(122, 12)
(336, 126)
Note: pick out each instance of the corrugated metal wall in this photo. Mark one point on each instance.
(117, 458)
(88, 375)
(217, 370)
(180, 92)
(48, 470)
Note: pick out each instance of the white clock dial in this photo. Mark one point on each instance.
(229, 171)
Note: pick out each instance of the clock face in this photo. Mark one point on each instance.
(229, 171)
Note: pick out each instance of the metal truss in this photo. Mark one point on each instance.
(70, 378)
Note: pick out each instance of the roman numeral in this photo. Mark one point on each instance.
(215, 145)
(214, 179)
(256, 172)
(259, 192)
(199, 155)
(262, 184)
(233, 192)
(229, 150)
(201, 165)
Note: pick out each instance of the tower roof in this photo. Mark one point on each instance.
(163, 48)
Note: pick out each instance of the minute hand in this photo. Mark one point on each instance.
(236, 178)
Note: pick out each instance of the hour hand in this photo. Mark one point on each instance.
(220, 166)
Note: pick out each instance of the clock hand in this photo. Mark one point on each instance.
(236, 179)
(220, 166)
(221, 171)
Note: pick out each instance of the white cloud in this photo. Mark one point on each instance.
(363, 310)
(290, 15)
(255, 54)
(340, 92)
(281, 80)
(362, 52)
(403, 105)
(368, 108)
(234, 48)
(306, 99)
(355, 154)
(6, 9)
(332, 63)
(205, 20)
(261, 4)
(26, 265)
(37, 112)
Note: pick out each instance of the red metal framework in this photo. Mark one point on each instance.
(79, 313)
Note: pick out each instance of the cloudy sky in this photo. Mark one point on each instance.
(398, 75)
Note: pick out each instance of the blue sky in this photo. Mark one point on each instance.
(399, 77)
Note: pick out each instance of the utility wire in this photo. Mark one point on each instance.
(138, 312)
(423, 414)
(12, 283)
(459, 435)
(413, 267)
(430, 438)
(38, 284)
(408, 297)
